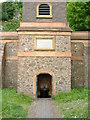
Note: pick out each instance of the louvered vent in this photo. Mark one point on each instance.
(44, 9)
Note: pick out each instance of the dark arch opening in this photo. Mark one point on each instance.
(44, 86)
(44, 9)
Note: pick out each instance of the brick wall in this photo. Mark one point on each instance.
(10, 39)
(11, 64)
(79, 59)
(59, 12)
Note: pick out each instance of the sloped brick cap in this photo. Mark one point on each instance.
(84, 35)
(8, 36)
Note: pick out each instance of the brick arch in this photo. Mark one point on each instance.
(44, 72)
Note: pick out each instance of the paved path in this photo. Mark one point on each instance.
(43, 108)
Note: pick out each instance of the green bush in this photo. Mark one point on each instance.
(11, 25)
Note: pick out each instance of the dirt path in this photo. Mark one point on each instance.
(43, 108)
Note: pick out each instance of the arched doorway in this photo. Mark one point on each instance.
(44, 85)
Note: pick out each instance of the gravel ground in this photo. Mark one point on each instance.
(43, 108)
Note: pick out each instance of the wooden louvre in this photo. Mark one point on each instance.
(44, 9)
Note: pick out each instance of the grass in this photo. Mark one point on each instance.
(14, 105)
(73, 104)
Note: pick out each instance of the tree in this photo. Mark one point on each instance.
(7, 11)
(11, 15)
(3, 13)
(78, 15)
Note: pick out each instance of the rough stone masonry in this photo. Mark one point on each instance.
(67, 63)
(20, 69)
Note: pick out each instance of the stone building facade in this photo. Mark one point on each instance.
(28, 64)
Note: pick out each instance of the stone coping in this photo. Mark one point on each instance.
(80, 38)
(8, 36)
(80, 35)
(44, 29)
(45, 24)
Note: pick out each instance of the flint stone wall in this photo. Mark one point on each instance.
(11, 49)
(10, 66)
(29, 66)
(86, 64)
(26, 43)
(11, 72)
(79, 67)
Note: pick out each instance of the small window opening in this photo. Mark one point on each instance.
(44, 11)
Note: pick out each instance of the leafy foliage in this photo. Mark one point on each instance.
(4, 15)
(11, 25)
(11, 15)
(78, 15)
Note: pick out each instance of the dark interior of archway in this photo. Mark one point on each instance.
(44, 86)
